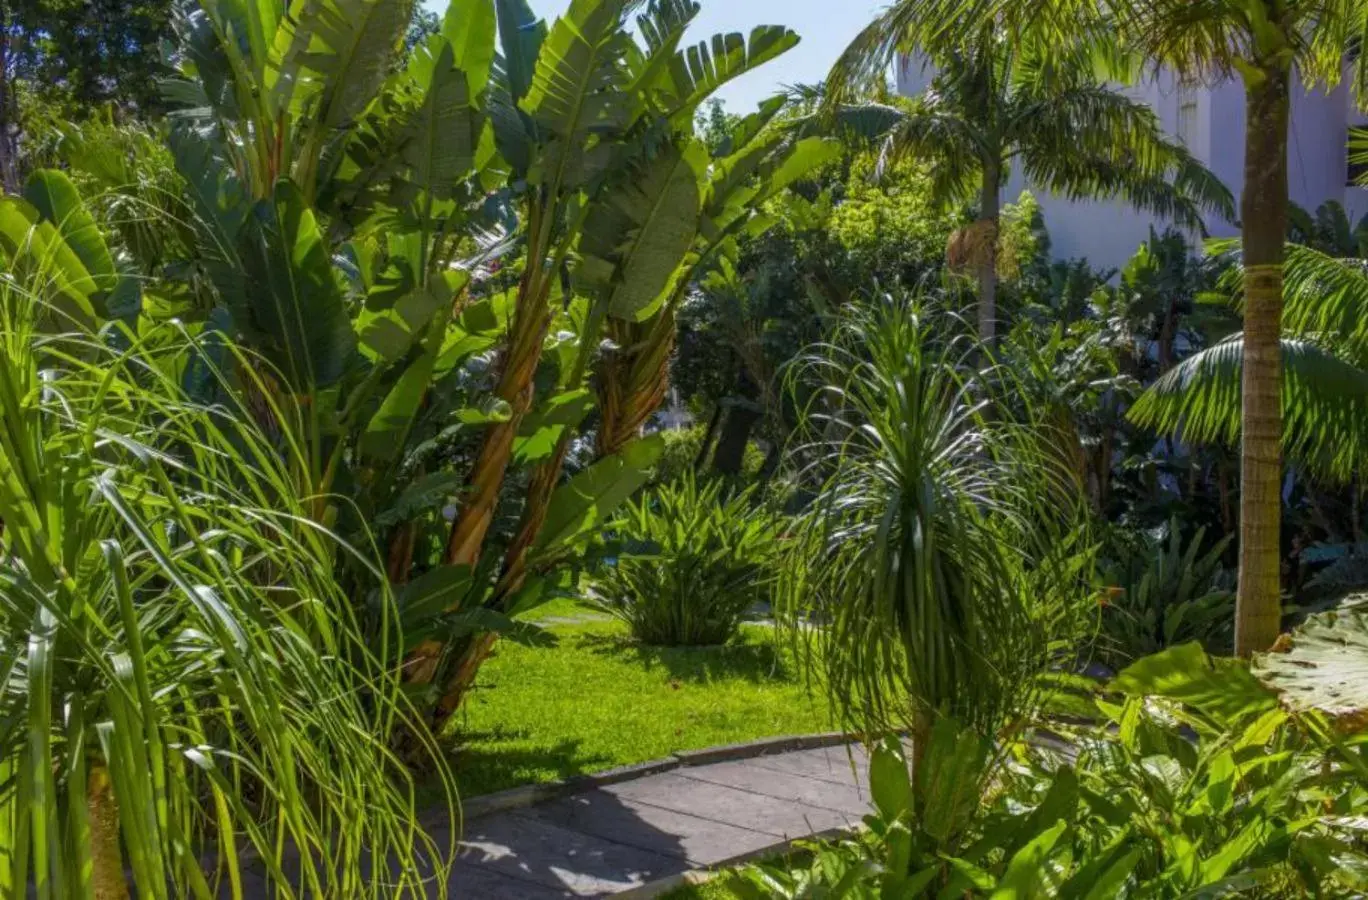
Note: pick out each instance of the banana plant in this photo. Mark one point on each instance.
(597, 131)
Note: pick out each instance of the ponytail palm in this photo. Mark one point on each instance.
(921, 553)
(996, 103)
(184, 695)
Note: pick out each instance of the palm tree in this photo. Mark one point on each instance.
(1267, 43)
(995, 103)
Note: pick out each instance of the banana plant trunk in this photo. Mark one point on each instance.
(513, 576)
(985, 256)
(1263, 211)
(476, 514)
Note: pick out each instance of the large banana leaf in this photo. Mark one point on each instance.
(55, 197)
(638, 233)
(1324, 400)
(578, 89)
(333, 55)
(521, 35)
(586, 501)
(697, 73)
(38, 254)
(469, 27)
(445, 131)
(296, 306)
(1325, 668)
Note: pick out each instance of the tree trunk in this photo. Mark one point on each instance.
(730, 457)
(1258, 611)
(9, 109)
(107, 879)
(708, 436)
(990, 207)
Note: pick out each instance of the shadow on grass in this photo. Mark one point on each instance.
(483, 762)
(753, 662)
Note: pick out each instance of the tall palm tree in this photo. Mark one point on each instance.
(996, 102)
(1267, 44)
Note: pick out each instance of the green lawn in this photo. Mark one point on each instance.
(597, 700)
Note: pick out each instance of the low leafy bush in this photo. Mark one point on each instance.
(1163, 591)
(1206, 779)
(695, 560)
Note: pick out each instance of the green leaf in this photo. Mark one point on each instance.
(1221, 688)
(521, 35)
(890, 783)
(949, 784)
(1326, 667)
(584, 502)
(1324, 403)
(637, 235)
(55, 197)
(333, 55)
(433, 593)
(697, 73)
(444, 131)
(424, 493)
(1027, 877)
(576, 66)
(469, 27)
(493, 410)
(38, 254)
(296, 310)
(387, 431)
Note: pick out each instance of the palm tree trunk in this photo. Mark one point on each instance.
(1258, 610)
(990, 210)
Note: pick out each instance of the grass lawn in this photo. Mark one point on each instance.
(598, 700)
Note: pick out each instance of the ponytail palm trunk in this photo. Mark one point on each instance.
(1258, 609)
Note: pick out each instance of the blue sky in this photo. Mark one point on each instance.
(825, 28)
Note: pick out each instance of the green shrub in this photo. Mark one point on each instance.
(682, 446)
(1164, 592)
(696, 559)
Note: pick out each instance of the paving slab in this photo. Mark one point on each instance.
(847, 798)
(619, 836)
(693, 840)
(785, 819)
(558, 857)
(824, 763)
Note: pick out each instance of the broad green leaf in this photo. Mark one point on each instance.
(336, 54)
(485, 620)
(697, 72)
(521, 35)
(37, 253)
(445, 130)
(949, 784)
(1326, 667)
(1221, 688)
(296, 309)
(1027, 876)
(570, 88)
(584, 502)
(55, 197)
(890, 783)
(636, 236)
(492, 411)
(423, 494)
(469, 26)
(434, 592)
(386, 433)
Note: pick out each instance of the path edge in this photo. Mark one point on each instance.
(532, 794)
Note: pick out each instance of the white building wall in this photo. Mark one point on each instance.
(1107, 233)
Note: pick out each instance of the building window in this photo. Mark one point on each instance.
(1358, 156)
(1187, 117)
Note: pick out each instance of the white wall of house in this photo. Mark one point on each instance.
(1210, 120)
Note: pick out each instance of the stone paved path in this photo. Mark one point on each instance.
(618, 837)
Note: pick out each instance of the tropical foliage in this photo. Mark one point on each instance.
(694, 560)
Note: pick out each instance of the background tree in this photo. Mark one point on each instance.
(996, 103)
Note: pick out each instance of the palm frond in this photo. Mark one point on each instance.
(1324, 400)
